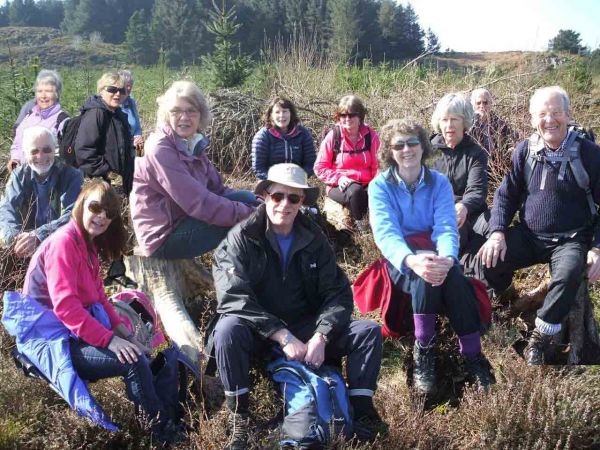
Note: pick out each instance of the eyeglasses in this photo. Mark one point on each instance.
(349, 114)
(36, 151)
(177, 113)
(114, 89)
(96, 208)
(399, 144)
(278, 197)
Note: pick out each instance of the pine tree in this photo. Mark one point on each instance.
(50, 13)
(226, 69)
(22, 13)
(138, 39)
(433, 43)
(4, 21)
(344, 29)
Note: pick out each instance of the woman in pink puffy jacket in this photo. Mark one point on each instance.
(347, 159)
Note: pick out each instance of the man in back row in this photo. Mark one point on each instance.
(547, 184)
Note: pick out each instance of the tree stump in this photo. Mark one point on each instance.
(169, 283)
(580, 330)
(335, 213)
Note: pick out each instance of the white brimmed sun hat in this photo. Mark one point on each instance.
(291, 175)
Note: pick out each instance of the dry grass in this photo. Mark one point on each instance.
(528, 408)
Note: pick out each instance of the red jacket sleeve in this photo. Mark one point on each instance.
(325, 168)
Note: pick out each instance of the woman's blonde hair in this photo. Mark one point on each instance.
(109, 79)
(189, 92)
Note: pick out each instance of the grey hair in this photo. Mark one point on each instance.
(52, 77)
(186, 90)
(547, 92)
(479, 91)
(126, 76)
(32, 134)
(456, 104)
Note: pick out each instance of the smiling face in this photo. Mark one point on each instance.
(281, 117)
(45, 95)
(453, 129)
(282, 213)
(40, 156)
(407, 152)
(350, 121)
(95, 219)
(184, 118)
(550, 119)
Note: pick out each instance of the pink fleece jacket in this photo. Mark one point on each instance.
(64, 273)
(169, 184)
(360, 167)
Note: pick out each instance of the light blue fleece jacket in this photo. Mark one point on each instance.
(395, 213)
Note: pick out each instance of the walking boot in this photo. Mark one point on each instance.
(479, 372)
(424, 369)
(535, 351)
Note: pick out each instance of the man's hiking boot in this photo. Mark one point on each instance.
(424, 369)
(536, 348)
(171, 432)
(239, 428)
(479, 372)
(368, 427)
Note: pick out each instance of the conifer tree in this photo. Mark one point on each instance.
(344, 29)
(138, 39)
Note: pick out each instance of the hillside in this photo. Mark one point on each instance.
(53, 48)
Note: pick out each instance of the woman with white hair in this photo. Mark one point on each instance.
(129, 107)
(45, 111)
(39, 196)
(180, 207)
(464, 162)
(103, 145)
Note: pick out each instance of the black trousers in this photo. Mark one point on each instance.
(355, 198)
(235, 343)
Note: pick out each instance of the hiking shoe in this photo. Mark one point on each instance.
(424, 369)
(536, 348)
(367, 428)
(479, 372)
(171, 432)
(239, 426)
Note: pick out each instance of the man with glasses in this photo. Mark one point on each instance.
(557, 222)
(39, 195)
(492, 133)
(278, 284)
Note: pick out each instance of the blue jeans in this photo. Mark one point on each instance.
(193, 237)
(95, 363)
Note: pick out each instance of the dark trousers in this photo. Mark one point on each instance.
(235, 343)
(355, 198)
(474, 233)
(455, 297)
(567, 259)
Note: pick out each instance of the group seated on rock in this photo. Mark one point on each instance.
(279, 286)
(39, 195)
(557, 215)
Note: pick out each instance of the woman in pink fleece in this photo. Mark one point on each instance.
(180, 207)
(347, 159)
(64, 274)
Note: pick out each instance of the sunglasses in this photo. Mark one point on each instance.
(350, 114)
(96, 208)
(399, 144)
(278, 197)
(114, 90)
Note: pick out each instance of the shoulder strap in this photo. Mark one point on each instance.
(579, 172)
(368, 141)
(62, 116)
(535, 145)
(337, 142)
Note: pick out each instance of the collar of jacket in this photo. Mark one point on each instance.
(182, 144)
(258, 228)
(438, 143)
(277, 132)
(391, 178)
(54, 109)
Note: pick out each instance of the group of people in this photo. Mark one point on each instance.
(276, 277)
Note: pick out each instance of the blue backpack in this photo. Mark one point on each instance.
(317, 408)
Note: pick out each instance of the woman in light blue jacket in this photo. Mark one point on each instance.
(409, 203)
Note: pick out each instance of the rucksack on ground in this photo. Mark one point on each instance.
(317, 408)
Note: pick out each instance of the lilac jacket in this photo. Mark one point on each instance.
(169, 185)
(49, 118)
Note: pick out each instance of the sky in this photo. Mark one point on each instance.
(502, 25)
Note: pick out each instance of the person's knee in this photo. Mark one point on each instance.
(369, 332)
(231, 332)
